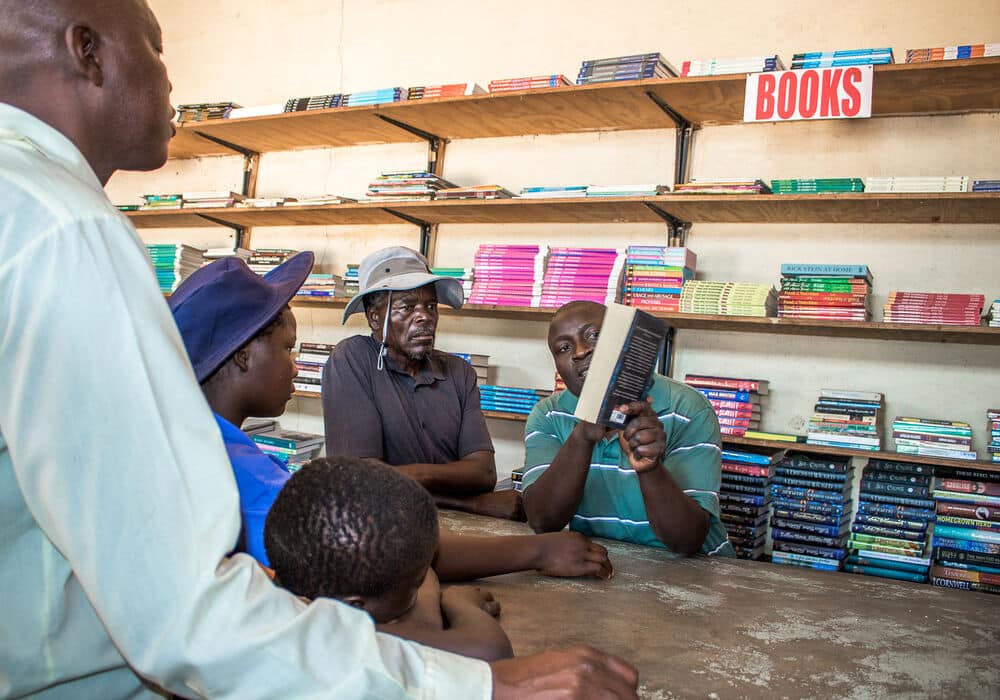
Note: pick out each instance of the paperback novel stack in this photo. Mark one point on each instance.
(405, 186)
(173, 262)
(655, 276)
(826, 292)
(479, 363)
(529, 83)
(264, 260)
(423, 92)
(890, 533)
(553, 192)
(744, 499)
(290, 446)
(373, 97)
(226, 252)
(153, 202)
(264, 202)
(310, 361)
(323, 285)
(317, 200)
(933, 308)
(204, 111)
(821, 185)
(307, 104)
(736, 401)
(209, 199)
(508, 275)
(725, 66)
(843, 57)
(728, 298)
(811, 497)
(917, 184)
(464, 275)
(509, 399)
(590, 274)
(844, 418)
(993, 430)
(723, 186)
(474, 192)
(351, 281)
(986, 185)
(635, 67)
(643, 190)
(967, 534)
(933, 438)
(952, 53)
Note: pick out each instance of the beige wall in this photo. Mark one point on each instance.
(256, 52)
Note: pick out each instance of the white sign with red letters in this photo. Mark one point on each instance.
(814, 93)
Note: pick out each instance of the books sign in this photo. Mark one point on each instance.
(813, 93)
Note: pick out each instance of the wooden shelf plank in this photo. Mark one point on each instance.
(333, 214)
(172, 218)
(578, 210)
(186, 143)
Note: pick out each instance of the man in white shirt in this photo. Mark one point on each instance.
(117, 502)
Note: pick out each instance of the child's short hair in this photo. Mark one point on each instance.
(346, 526)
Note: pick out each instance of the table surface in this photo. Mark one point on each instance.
(724, 628)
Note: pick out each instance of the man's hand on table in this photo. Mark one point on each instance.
(577, 673)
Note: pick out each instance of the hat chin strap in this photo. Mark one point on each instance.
(382, 351)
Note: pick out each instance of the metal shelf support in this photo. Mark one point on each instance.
(685, 138)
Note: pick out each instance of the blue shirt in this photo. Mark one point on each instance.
(259, 478)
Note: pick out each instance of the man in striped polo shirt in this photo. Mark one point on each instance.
(655, 482)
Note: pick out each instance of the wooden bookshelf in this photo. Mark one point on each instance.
(943, 87)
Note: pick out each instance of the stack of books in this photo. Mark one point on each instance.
(351, 281)
(843, 57)
(264, 202)
(290, 446)
(811, 495)
(933, 307)
(226, 252)
(736, 401)
(826, 292)
(635, 67)
(590, 274)
(153, 202)
(209, 199)
(723, 186)
(508, 275)
(464, 275)
(728, 298)
(986, 185)
(967, 534)
(322, 284)
(256, 111)
(310, 361)
(844, 418)
(993, 430)
(826, 185)
(264, 260)
(744, 499)
(252, 426)
(993, 317)
(173, 262)
(644, 190)
(372, 97)
(528, 83)
(726, 66)
(423, 92)
(655, 275)
(479, 363)
(474, 192)
(317, 200)
(306, 104)
(204, 111)
(890, 532)
(553, 192)
(933, 438)
(952, 53)
(509, 399)
(405, 186)
(957, 183)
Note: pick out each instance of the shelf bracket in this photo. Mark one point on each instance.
(428, 231)
(251, 159)
(677, 228)
(240, 231)
(685, 138)
(435, 144)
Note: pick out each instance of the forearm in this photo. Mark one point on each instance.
(676, 519)
(552, 500)
(469, 476)
(468, 557)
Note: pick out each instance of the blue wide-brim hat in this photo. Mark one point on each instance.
(223, 305)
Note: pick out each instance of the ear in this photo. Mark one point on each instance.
(82, 44)
(241, 358)
(374, 320)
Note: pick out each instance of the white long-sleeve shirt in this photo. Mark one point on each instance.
(117, 501)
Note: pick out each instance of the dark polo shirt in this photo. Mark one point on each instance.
(389, 415)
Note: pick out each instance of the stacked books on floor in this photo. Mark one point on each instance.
(317, 200)
(723, 186)
(310, 361)
(405, 186)
(843, 57)
(635, 67)
(822, 185)
(290, 446)
(952, 53)
(509, 399)
(479, 363)
(644, 190)
(323, 285)
(209, 199)
(264, 260)
(890, 533)
(423, 92)
(844, 418)
(553, 192)
(655, 276)
(744, 499)
(173, 262)
(736, 401)
(917, 184)
(811, 497)
(993, 430)
(986, 185)
(508, 275)
(153, 202)
(204, 111)
(264, 202)
(474, 192)
(825, 292)
(351, 281)
(726, 66)
(590, 274)
(464, 275)
(307, 104)
(933, 307)
(967, 533)
(728, 298)
(372, 97)
(529, 83)
(933, 438)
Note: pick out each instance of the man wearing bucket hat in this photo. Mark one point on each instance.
(393, 397)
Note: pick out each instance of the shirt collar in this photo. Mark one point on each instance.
(231, 433)
(18, 125)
